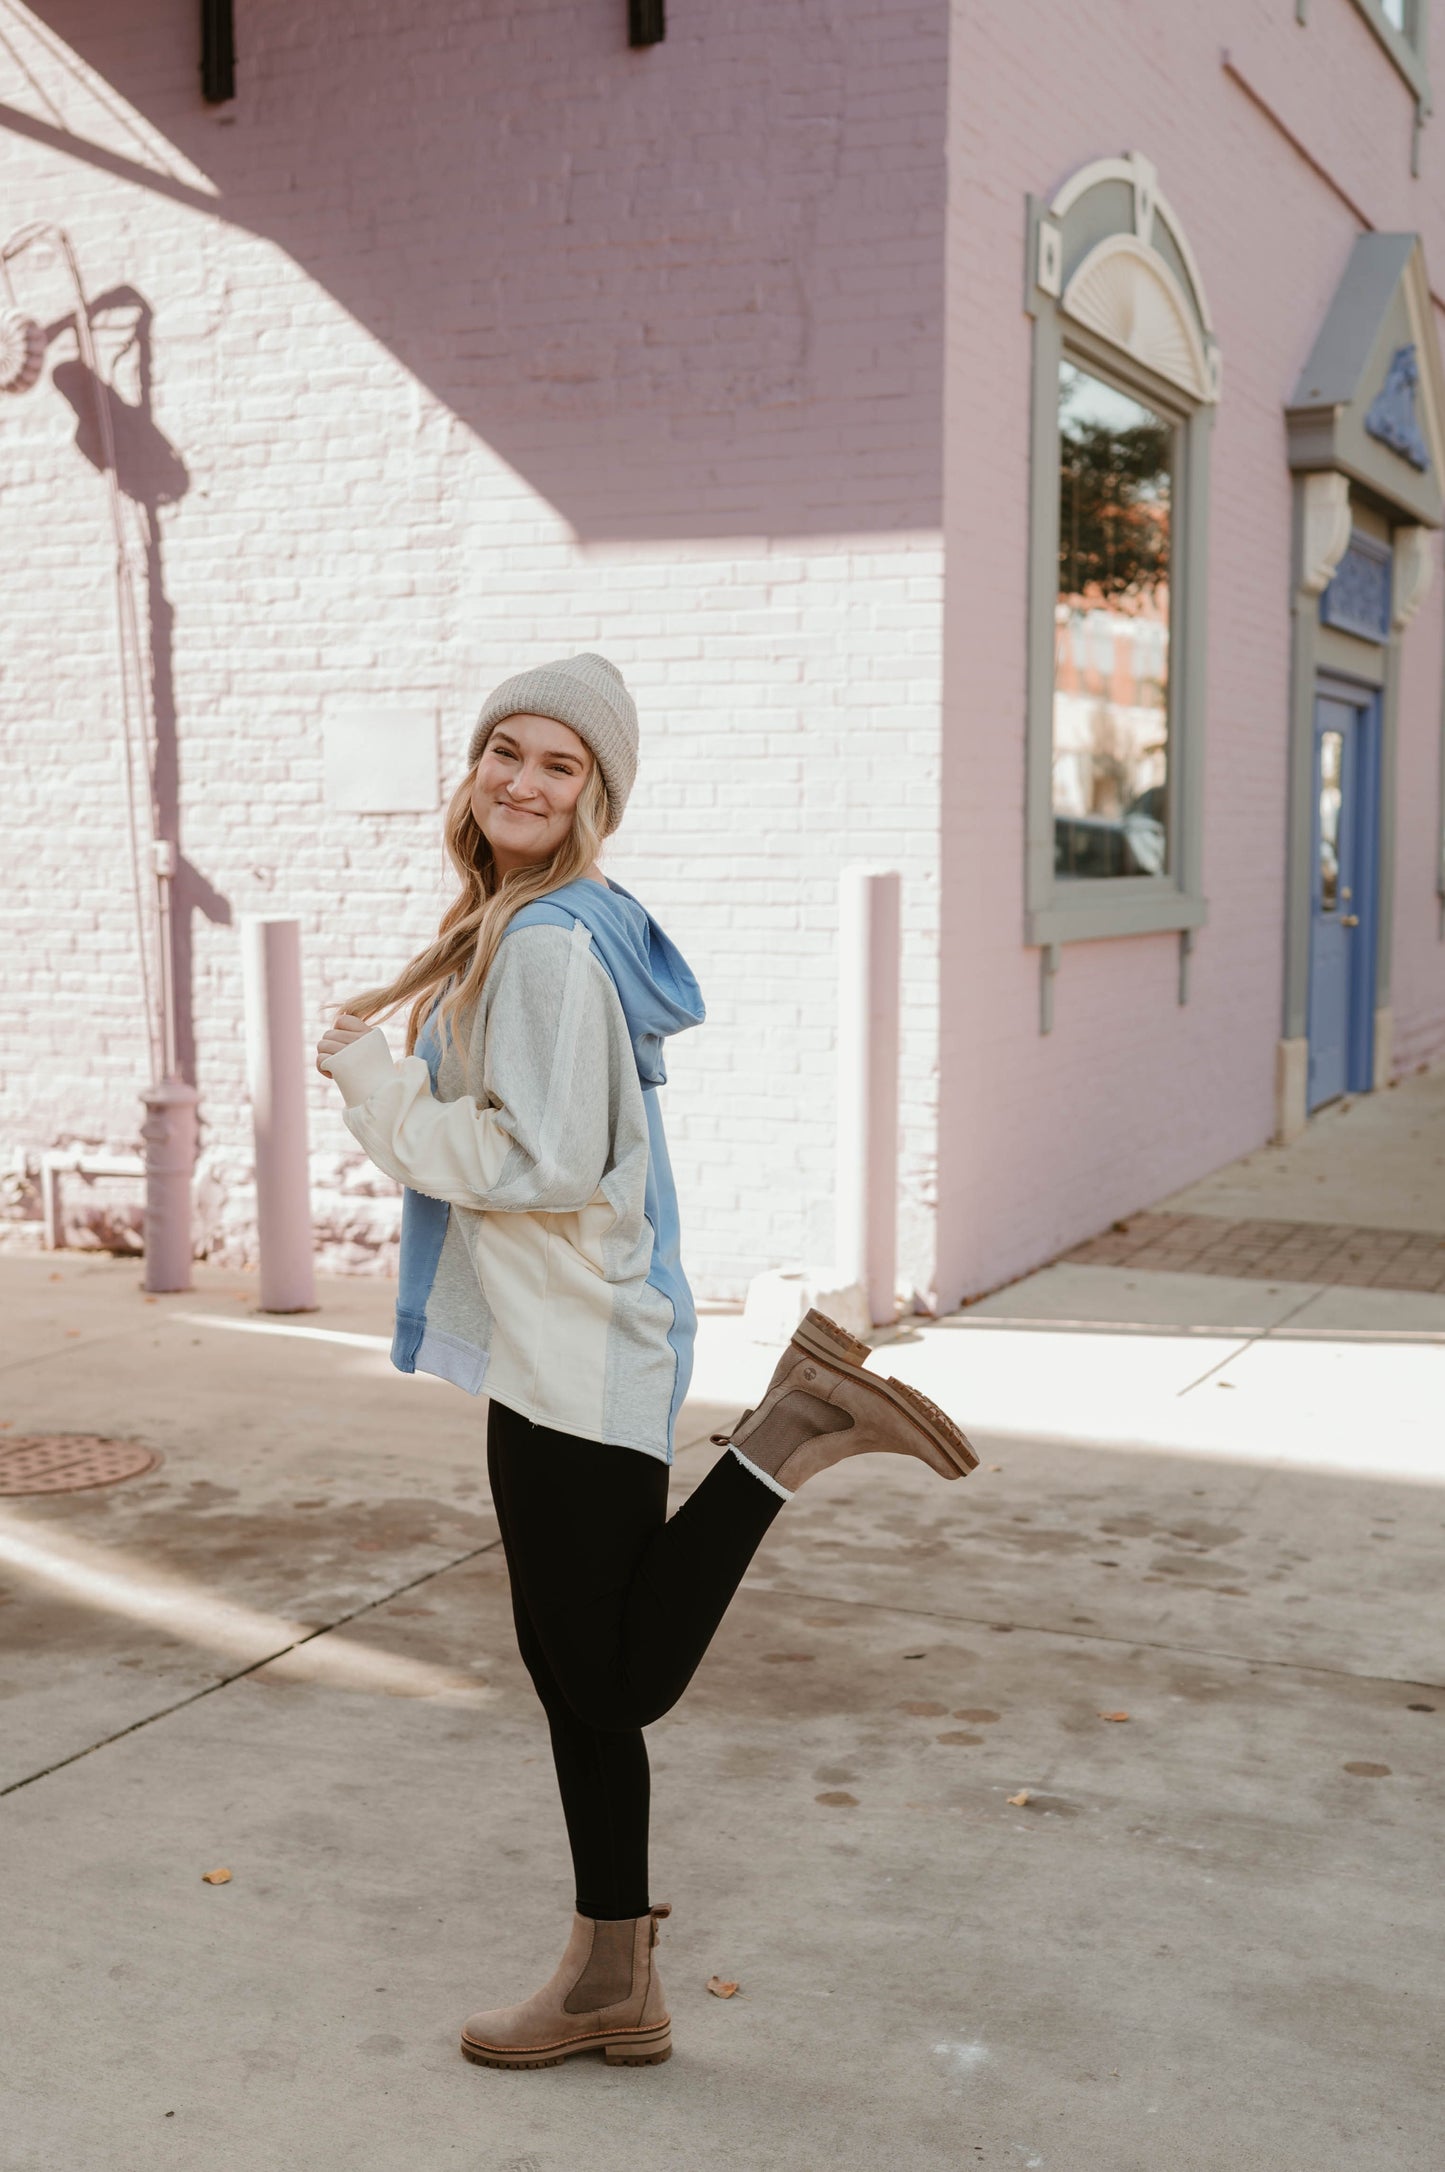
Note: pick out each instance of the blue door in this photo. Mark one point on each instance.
(1342, 903)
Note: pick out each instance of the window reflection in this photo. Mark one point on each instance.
(1331, 760)
(1111, 632)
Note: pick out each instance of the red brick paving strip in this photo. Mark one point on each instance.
(1330, 1252)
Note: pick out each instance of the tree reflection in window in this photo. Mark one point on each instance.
(1111, 632)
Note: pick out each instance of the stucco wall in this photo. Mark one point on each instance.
(470, 337)
(1045, 1139)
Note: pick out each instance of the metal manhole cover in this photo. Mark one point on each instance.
(68, 1462)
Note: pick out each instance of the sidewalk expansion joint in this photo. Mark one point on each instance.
(1247, 1342)
(1093, 1636)
(78, 1342)
(267, 1659)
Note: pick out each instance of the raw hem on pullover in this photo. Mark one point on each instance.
(539, 1417)
(447, 1357)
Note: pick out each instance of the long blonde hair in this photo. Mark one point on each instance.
(474, 923)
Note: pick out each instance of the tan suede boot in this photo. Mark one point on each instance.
(604, 1996)
(821, 1406)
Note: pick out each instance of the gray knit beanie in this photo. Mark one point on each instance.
(589, 694)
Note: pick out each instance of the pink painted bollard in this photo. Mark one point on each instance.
(869, 983)
(276, 1082)
(168, 1136)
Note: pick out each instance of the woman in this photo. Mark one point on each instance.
(539, 1257)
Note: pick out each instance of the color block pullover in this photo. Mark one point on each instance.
(539, 1239)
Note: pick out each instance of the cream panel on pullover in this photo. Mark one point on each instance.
(538, 1139)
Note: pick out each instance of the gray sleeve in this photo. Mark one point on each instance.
(544, 1061)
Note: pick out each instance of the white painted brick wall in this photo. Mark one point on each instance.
(476, 338)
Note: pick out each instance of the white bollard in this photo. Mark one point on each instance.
(276, 1081)
(869, 984)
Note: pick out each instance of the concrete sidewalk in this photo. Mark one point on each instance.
(1209, 1936)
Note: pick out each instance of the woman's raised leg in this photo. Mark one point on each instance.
(623, 1599)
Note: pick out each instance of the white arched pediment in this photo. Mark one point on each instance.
(1126, 293)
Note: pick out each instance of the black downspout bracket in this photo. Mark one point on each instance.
(218, 51)
(646, 22)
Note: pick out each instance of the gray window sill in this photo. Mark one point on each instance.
(1128, 905)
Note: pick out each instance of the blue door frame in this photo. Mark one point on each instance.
(1344, 883)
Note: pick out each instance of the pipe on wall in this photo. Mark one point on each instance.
(869, 989)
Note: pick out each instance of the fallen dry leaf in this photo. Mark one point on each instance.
(1364, 1771)
(215, 1877)
(1020, 1799)
(719, 1989)
(1114, 1715)
(838, 1799)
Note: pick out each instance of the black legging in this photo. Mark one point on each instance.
(615, 1603)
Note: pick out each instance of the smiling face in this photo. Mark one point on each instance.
(525, 786)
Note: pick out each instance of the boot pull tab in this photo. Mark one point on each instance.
(664, 1908)
(725, 1440)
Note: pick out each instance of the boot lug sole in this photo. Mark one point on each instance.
(644, 2048)
(946, 1435)
(825, 1340)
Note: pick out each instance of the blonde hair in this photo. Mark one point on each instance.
(474, 923)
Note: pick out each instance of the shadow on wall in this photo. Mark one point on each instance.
(151, 474)
(694, 291)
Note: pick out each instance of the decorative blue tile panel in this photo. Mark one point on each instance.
(1358, 598)
(1392, 418)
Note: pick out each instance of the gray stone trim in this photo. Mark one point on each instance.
(1291, 1089)
(1389, 821)
(1060, 235)
(1382, 302)
(1313, 655)
(1440, 856)
(1299, 807)
(1349, 657)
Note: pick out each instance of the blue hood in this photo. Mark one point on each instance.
(657, 986)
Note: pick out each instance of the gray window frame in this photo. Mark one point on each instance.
(1406, 48)
(1063, 909)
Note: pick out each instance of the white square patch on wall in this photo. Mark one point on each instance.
(380, 761)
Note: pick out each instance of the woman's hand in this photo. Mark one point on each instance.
(348, 1028)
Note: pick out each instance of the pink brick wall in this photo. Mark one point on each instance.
(1419, 967)
(474, 337)
(1043, 1140)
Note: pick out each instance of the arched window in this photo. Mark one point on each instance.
(1125, 380)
